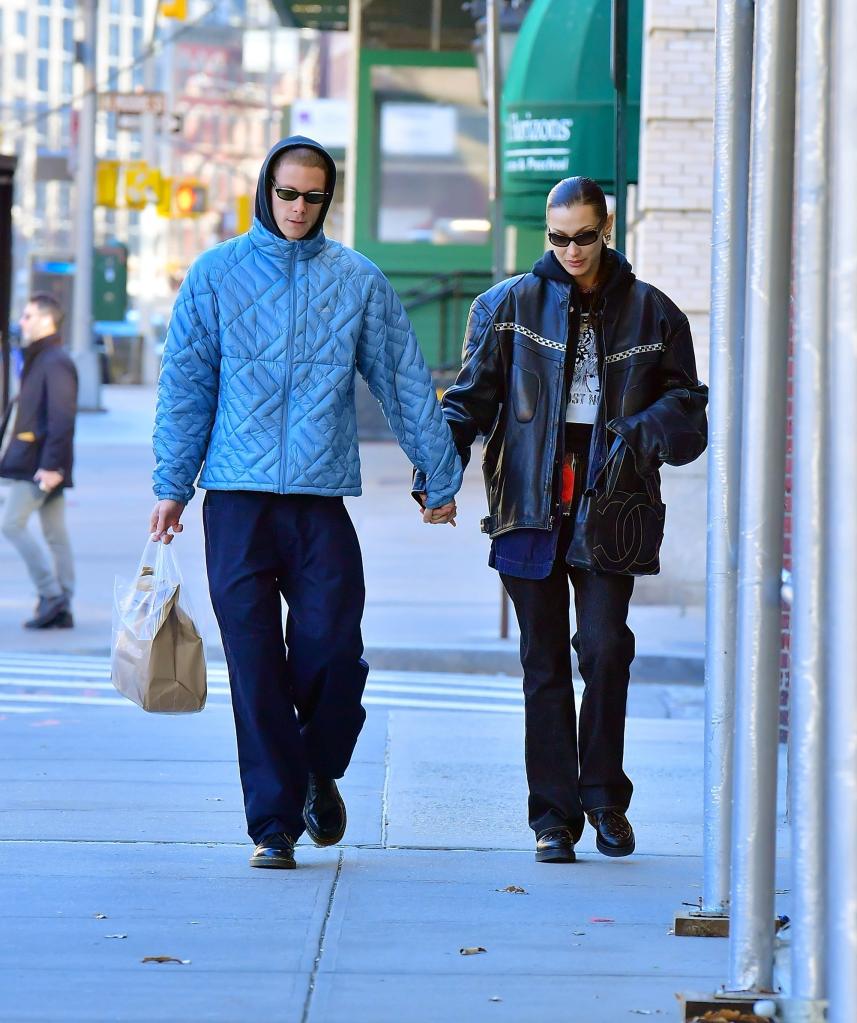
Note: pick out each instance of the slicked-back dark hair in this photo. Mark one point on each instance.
(578, 191)
(48, 305)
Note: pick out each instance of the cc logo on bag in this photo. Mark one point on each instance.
(629, 521)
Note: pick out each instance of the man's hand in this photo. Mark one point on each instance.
(48, 479)
(441, 516)
(165, 516)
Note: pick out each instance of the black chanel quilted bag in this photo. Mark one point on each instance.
(619, 524)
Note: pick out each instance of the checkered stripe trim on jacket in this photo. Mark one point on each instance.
(619, 356)
(531, 335)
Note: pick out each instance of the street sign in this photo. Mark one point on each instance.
(132, 102)
(170, 123)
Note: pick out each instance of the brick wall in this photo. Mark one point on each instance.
(670, 239)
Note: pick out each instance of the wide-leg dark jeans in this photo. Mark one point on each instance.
(296, 699)
(571, 771)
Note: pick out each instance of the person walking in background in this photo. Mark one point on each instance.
(37, 459)
(583, 380)
(258, 382)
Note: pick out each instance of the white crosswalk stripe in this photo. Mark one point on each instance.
(35, 683)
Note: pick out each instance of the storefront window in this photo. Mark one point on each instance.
(432, 145)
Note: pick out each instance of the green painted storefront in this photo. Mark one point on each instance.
(422, 157)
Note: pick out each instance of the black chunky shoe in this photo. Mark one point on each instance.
(324, 811)
(614, 835)
(51, 613)
(276, 851)
(556, 845)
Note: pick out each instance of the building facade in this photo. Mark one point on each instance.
(670, 243)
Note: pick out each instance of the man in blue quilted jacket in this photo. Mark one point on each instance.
(257, 391)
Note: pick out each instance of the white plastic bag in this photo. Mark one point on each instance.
(158, 659)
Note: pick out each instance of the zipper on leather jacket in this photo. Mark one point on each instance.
(552, 461)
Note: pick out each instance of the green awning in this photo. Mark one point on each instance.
(558, 105)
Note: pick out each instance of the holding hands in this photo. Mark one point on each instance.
(439, 516)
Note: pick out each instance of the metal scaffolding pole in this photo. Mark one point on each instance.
(808, 533)
(82, 344)
(760, 542)
(733, 104)
(841, 605)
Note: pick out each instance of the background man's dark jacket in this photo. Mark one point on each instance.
(43, 432)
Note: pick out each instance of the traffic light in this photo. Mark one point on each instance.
(190, 198)
(106, 182)
(174, 9)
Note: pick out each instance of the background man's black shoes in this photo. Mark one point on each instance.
(556, 845)
(276, 851)
(51, 613)
(324, 811)
(614, 835)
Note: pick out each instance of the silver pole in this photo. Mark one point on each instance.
(149, 219)
(808, 534)
(492, 55)
(760, 541)
(498, 258)
(733, 102)
(841, 608)
(82, 346)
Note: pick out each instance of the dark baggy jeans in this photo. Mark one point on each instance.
(560, 790)
(298, 710)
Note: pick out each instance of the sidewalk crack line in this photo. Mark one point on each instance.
(320, 950)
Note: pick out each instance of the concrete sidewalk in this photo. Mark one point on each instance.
(122, 837)
(432, 601)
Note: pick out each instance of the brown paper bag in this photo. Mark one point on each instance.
(158, 659)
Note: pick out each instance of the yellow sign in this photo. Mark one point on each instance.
(106, 182)
(165, 203)
(142, 184)
(174, 9)
(243, 213)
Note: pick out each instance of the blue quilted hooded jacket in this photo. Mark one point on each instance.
(257, 380)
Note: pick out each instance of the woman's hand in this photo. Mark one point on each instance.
(441, 516)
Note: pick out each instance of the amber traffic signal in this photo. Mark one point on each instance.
(190, 198)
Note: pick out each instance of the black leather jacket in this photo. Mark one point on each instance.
(513, 389)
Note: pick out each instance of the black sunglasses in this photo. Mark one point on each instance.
(582, 240)
(290, 194)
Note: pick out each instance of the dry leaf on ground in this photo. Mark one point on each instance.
(165, 959)
(472, 951)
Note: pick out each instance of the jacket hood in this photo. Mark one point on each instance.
(264, 213)
(617, 266)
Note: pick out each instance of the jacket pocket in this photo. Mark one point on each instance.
(526, 387)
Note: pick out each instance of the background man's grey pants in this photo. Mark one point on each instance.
(22, 499)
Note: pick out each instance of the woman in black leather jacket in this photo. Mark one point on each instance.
(582, 380)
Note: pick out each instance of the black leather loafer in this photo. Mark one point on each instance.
(614, 835)
(556, 845)
(324, 811)
(276, 851)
